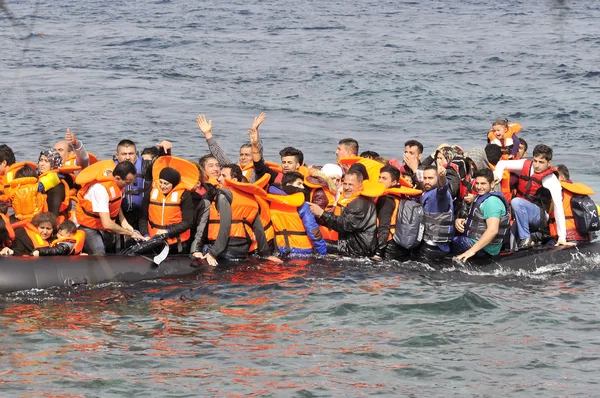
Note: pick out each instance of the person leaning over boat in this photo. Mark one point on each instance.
(357, 223)
(99, 203)
(534, 174)
(487, 223)
(296, 231)
(233, 222)
(169, 209)
(245, 156)
(32, 235)
(438, 211)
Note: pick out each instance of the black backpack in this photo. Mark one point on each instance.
(409, 224)
(585, 214)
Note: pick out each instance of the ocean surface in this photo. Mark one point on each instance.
(382, 72)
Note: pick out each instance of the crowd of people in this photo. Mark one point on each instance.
(487, 200)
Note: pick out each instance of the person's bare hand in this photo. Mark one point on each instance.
(258, 120)
(205, 126)
(70, 137)
(253, 134)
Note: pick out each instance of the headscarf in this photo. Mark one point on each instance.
(478, 156)
(171, 175)
(447, 152)
(53, 157)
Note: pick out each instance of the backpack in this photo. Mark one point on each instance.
(409, 224)
(585, 214)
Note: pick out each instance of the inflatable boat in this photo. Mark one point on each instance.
(23, 273)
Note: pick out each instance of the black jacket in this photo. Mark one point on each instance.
(356, 227)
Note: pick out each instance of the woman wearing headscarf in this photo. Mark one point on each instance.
(58, 197)
(169, 210)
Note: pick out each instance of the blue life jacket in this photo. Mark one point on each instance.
(439, 223)
(134, 193)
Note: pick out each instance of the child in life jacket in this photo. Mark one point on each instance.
(69, 241)
(503, 134)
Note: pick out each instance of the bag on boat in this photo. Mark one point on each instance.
(585, 214)
(409, 224)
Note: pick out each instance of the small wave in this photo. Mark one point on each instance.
(324, 28)
(592, 74)
(130, 42)
(494, 59)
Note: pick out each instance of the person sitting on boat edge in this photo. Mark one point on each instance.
(534, 174)
(99, 203)
(296, 230)
(69, 241)
(234, 221)
(168, 210)
(32, 235)
(487, 224)
(245, 155)
(357, 222)
(438, 211)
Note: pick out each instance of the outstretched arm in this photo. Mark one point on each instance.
(81, 155)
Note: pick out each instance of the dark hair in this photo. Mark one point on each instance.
(3, 207)
(487, 173)
(68, 226)
(44, 217)
(430, 167)
(350, 143)
(544, 151)
(522, 141)
(125, 143)
(501, 122)
(7, 154)
(493, 153)
(26, 171)
(202, 161)
(361, 168)
(291, 151)
(358, 174)
(414, 143)
(200, 171)
(236, 171)
(123, 169)
(151, 150)
(369, 155)
(291, 176)
(564, 170)
(392, 170)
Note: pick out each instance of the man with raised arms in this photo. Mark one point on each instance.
(72, 147)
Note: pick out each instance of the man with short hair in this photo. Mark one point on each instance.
(99, 206)
(485, 227)
(291, 160)
(210, 166)
(357, 222)
(346, 147)
(534, 174)
(438, 212)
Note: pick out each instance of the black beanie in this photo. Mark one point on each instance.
(171, 175)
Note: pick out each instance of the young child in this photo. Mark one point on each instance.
(503, 135)
(69, 240)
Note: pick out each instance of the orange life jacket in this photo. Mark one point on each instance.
(71, 159)
(289, 229)
(26, 199)
(84, 212)
(373, 167)
(166, 210)
(569, 189)
(505, 184)
(9, 231)
(247, 170)
(399, 193)
(507, 140)
(34, 236)
(78, 240)
(530, 183)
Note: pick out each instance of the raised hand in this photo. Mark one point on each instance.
(70, 137)
(253, 134)
(258, 120)
(205, 126)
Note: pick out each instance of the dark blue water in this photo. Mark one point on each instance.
(381, 72)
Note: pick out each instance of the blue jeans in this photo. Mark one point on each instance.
(461, 244)
(94, 244)
(527, 216)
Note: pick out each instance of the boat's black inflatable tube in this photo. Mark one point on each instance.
(21, 273)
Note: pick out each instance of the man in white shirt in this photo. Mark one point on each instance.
(534, 174)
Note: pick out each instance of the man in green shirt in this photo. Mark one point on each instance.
(484, 229)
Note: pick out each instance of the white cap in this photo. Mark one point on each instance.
(331, 169)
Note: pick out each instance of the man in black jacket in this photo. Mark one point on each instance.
(357, 221)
